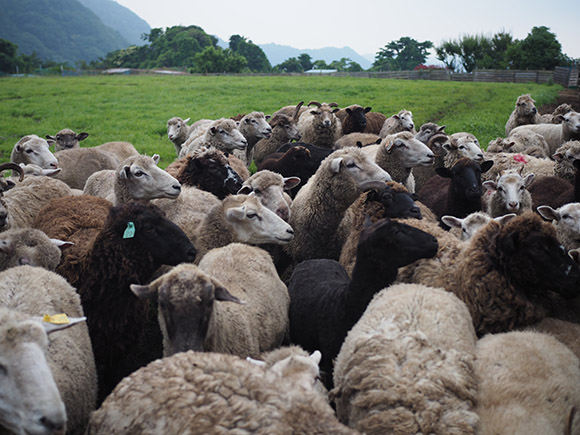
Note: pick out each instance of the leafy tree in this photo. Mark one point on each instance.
(257, 60)
(306, 61)
(217, 60)
(345, 64)
(320, 64)
(8, 59)
(403, 54)
(539, 50)
(290, 65)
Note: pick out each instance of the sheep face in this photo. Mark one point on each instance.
(29, 398)
(256, 124)
(525, 106)
(571, 121)
(465, 178)
(411, 151)
(228, 135)
(511, 187)
(323, 117)
(397, 204)
(567, 217)
(405, 117)
(145, 180)
(186, 296)
(465, 146)
(356, 165)
(357, 119)
(428, 130)
(473, 222)
(378, 237)
(253, 223)
(269, 188)
(29, 246)
(177, 128)
(66, 139)
(33, 149)
(537, 262)
(147, 231)
(567, 157)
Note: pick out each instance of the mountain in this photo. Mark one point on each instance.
(58, 30)
(118, 17)
(279, 53)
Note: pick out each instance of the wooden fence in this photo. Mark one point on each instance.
(565, 76)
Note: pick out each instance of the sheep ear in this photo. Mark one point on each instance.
(444, 172)
(491, 186)
(245, 190)
(155, 158)
(82, 136)
(335, 164)
(291, 182)
(440, 129)
(558, 156)
(447, 146)
(348, 110)
(528, 179)
(51, 327)
(267, 117)
(452, 221)
(236, 213)
(316, 356)
(508, 145)
(50, 139)
(144, 291)
(5, 246)
(389, 146)
(61, 243)
(575, 255)
(486, 166)
(125, 172)
(9, 185)
(212, 130)
(185, 121)
(397, 117)
(505, 218)
(368, 109)
(222, 294)
(549, 213)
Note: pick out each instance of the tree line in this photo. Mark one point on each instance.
(190, 48)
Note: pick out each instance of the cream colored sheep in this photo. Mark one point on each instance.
(402, 121)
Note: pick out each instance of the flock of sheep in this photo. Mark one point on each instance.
(368, 277)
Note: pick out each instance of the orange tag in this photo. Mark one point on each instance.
(57, 319)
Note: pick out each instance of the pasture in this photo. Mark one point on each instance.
(136, 108)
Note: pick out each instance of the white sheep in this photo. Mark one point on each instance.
(193, 317)
(284, 130)
(66, 139)
(210, 392)
(321, 203)
(460, 145)
(31, 247)
(254, 126)
(556, 134)
(122, 150)
(398, 154)
(566, 220)
(33, 170)
(465, 228)
(178, 132)
(357, 140)
(78, 164)
(222, 134)
(240, 218)
(33, 149)
(528, 382)
(402, 121)
(33, 293)
(508, 194)
(524, 113)
(320, 126)
(524, 141)
(407, 365)
(137, 177)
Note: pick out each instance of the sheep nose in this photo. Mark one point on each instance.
(177, 187)
(53, 165)
(170, 137)
(534, 110)
(55, 426)
(23, 260)
(327, 123)
(290, 231)
(514, 205)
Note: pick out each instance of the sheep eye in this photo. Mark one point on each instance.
(351, 165)
(522, 187)
(566, 216)
(461, 147)
(257, 191)
(29, 151)
(139, 173)
(500, 189)
(252, 215)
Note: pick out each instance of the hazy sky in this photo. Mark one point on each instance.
(367, 25)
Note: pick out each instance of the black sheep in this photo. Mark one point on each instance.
(317, 153)
(325, 303)
(209, 170)
(456, 191)
(353, 118)
(135, 241)
(296, 162)
(555, 191)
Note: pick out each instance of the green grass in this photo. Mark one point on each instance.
(136, 108)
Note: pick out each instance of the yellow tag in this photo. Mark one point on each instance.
(57, 319)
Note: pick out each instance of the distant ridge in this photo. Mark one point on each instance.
(120, 18)
(279, 53)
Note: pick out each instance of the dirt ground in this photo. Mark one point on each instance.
(570, 96)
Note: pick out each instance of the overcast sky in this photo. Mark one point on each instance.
(367, 25)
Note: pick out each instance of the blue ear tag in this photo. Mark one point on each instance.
(129, 231)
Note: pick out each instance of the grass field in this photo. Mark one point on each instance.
(136, 108)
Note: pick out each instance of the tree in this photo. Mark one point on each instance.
(345, 64)
(320, 64)
(403, 54)
(8, 59)
(257, 60)
(217, 60)
(306, 61)
(539, 50)
(290, 65)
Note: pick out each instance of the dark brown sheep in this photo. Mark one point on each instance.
(353, 118)
(375, 121)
